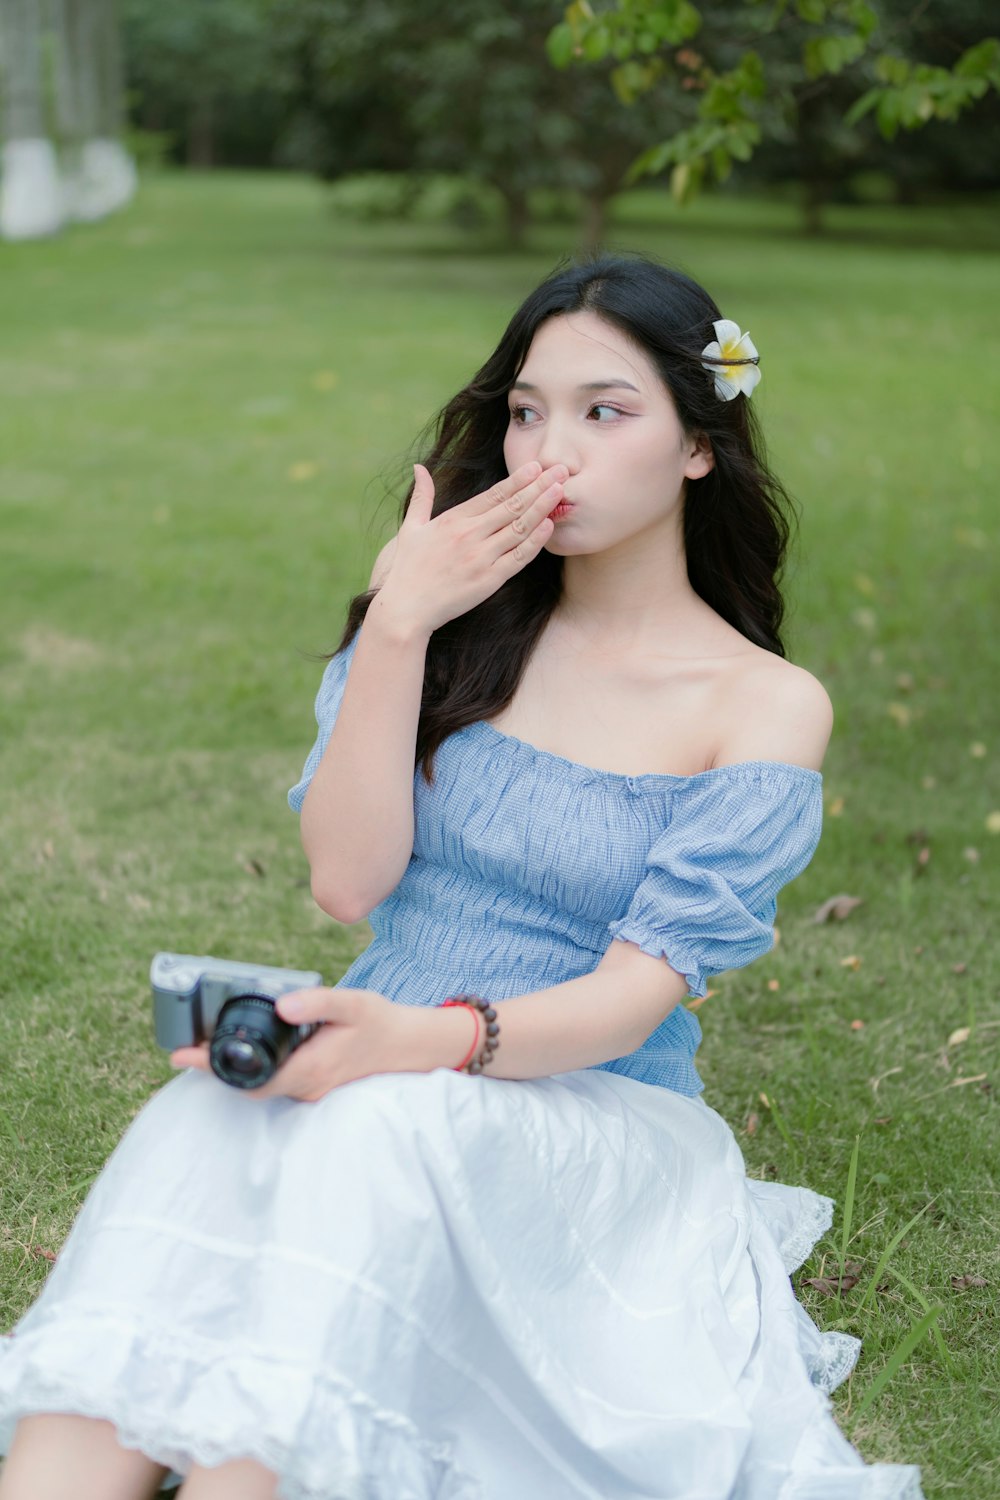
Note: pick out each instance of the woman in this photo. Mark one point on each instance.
(485, 1250)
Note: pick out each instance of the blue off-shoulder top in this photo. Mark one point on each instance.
(526, 866)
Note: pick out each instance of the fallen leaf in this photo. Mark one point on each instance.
(764, 1100)
(960, 1283)
(929, 783)
(905, 682)
(923, 860)
(852, 961)
(838, 907)
(138, 902)
(325, 380)
(993, 822)
(304, 469)
(866, 618)
(864, 584)
(959, 968)
(958, 1037)
(774, 984)
(254, 867)
(753, 1120)
(883, 1119)
(972, 855)
(700, 999)
(777, 937)
(831, 1285)
(900, 714)
(977, 749)
(857, 1025)
(836, 808)
(41, 1254)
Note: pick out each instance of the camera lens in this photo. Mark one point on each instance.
(250, 1041)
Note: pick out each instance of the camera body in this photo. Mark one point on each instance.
(230, 1005)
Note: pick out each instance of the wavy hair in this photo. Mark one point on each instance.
(737, 518)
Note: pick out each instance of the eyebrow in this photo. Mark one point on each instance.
(591, 385)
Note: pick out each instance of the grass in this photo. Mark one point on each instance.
(203, 403)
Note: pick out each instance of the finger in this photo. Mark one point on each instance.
(321, 1003)
(421, 504)
(522, 511)
(525, 548)
(523, 526)
(499, 493)
(191, 1057)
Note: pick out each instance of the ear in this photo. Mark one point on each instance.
(701, 459)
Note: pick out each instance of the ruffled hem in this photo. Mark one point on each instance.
(326, 1439)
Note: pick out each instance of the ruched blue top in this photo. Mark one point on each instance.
(526, 866)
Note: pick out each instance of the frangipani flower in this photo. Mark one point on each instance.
(723, 358)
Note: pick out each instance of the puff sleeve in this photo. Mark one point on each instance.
(328, 700)
(736, 835)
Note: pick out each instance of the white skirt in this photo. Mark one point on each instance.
(430, 1286)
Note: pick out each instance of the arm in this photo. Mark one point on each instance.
(357, 814)
(602, 1015)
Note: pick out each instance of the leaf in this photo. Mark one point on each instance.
(40, 1254)
(838, 907)
(993, 822)
(845, 1239)
(961, 1283)
(836, 808)
(833, 1286)
(883, 1259)
(901, 1352)
(852, 961)
(958, 1037)
(559, 45)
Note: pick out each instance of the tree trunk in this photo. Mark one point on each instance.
(595, 222)
(518, 217)
(30, 192)
(201, 133)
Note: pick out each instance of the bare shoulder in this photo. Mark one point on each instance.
(774, 710)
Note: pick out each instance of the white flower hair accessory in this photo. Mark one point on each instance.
(732, 359)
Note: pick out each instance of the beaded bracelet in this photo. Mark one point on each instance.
(473, 1003)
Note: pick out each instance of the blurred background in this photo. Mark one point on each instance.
(248, 248)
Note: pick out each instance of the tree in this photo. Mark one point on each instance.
(748, 83)
(201, 67)
(63, 157)
(31, 201)
(399, 85)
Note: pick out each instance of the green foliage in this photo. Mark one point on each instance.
(466, 91)
(731, 122)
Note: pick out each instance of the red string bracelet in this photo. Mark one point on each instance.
(491, 1040)
(474, 1012)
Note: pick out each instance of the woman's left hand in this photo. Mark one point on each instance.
(364, 1033)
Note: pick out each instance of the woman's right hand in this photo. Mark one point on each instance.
(444, 565)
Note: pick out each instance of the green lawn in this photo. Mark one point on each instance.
(203, 406)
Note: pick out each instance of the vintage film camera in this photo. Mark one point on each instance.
(231, 1006)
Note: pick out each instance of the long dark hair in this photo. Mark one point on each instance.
(737, 518)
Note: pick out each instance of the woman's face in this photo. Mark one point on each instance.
(589, 398)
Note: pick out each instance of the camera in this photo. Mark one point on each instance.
(231, 1006)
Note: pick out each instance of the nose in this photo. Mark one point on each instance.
(557, 445)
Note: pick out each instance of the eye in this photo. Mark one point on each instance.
(615, 411)
(520, 415)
